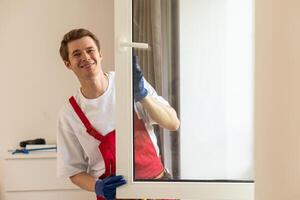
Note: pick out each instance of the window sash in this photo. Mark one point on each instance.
(124, 128)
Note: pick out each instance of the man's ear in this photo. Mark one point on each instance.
(68, 64)
(100, 54)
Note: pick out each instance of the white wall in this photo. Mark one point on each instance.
(277, 100)
(216, 86)
(34, 82)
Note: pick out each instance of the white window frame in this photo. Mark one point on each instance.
(124, 128)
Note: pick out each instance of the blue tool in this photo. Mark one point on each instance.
(27, 151)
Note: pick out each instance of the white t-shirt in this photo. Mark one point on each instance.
(77, 150)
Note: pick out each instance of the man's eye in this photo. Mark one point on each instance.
(76, 54)
(90, 50)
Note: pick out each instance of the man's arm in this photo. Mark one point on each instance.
(84, 181)
(162, 114)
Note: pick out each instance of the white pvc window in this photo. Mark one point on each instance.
(215, 149)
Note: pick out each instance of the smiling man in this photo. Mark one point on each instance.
(86, 125)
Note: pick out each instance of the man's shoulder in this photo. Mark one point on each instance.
(66, 111)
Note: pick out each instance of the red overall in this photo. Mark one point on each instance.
(147, 164)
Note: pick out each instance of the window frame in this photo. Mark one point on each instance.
(124, 129)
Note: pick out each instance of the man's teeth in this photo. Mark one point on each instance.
(87, 65)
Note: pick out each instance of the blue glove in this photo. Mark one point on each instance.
(107, 187)
(139, 91)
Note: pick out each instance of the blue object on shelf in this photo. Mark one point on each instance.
(27, 151)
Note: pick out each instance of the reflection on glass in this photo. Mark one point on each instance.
(199, 63)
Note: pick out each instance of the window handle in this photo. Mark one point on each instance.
(137, 45)
(125, 45)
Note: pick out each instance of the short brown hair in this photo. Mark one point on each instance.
(74, 35)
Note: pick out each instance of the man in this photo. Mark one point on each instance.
(86, 125)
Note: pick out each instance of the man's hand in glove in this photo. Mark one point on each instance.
(139, 90)
(107, 187)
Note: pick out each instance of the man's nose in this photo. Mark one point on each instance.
(85, 56)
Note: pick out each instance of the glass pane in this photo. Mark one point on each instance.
(199, 62)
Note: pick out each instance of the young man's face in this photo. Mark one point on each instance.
(84, 58)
